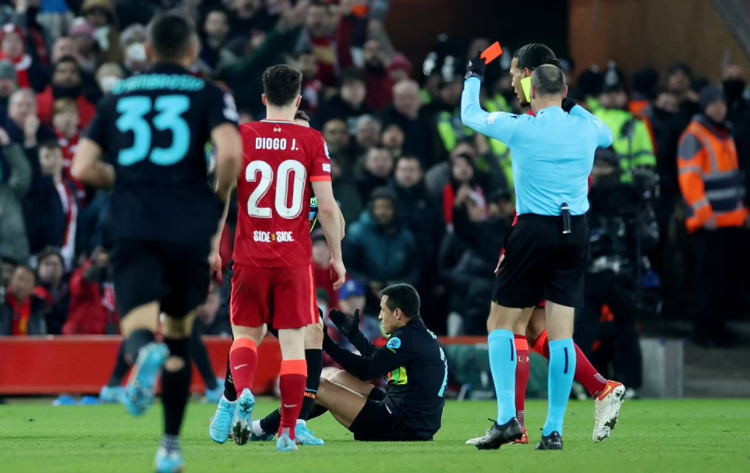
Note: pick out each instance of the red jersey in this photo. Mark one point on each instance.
(281, 159)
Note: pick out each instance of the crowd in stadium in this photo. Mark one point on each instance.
(411, 180)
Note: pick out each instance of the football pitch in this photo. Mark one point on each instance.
(652, 436)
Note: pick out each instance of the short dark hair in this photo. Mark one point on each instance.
(534, 55)
(404, 297)
(548, 80)
(50, 144)
(351, 74)
(300, 115)
(409, 157)
(47, 252)
(282, 84)
(171, 35)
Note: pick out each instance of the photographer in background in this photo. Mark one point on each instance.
(623, 230)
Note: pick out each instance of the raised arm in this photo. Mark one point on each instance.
(497, 125)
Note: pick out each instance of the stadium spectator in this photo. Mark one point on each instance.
(92, 299)
(53, 212)
(25, 128)
(348, 105)
(214, 53)
(463, 187)
(8, 84)
(66, 121)
(15, 181)
(133, 41)
(328, 35)
(379, 232)
(101, 15)
(346, 193)
(52, 286)
(108, 76)
(30, 73)
(377, 169)
(66, 84)
(86, 46)
(393, 139)
(311, 85)
(406, 111)
(248, 16)
(379, 84)
(367, 134)
(22, 312)
(338, 142)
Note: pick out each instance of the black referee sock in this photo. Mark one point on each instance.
(137, 340)
(121, 368)
(230, 392)
(314, 360)
(175, 385)
(270, 424)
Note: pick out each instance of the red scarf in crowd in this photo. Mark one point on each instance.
(70, 207)
(69, 147)
(21, 314)
(22, 64)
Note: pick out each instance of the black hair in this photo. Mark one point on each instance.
(680, 67)
(534, 55)
(47, 252)
(409, 157)
(50, 144)
(548, 80)
(404, 297)
(352, 74)
(171, 36)
(300, 115)
(282, 84)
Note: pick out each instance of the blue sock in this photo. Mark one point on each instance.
(503, 366)
(562, 368)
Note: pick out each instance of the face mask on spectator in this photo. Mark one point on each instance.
(107, 83)
(136, 53)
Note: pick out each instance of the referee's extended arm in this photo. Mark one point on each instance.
(498, 125)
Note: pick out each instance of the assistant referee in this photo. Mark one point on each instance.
(553, 155)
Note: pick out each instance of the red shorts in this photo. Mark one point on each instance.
(284, 295)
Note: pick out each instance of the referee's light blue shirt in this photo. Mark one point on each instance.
(552, 154)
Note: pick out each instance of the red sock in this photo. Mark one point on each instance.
(586, 374)
(243, 361)
(292, 382)
(523, 373)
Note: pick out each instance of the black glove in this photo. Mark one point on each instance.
(568, 104)
(476, 67)
(346, 325)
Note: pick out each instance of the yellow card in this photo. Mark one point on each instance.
(526, 86)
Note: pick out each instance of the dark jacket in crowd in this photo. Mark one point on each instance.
(58, 303)
(422, 218)
(37, 324)
(15, 181)
(338, 108)
(419, 134)
(46, 219)
(366, 182)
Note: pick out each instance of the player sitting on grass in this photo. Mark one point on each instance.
(413, 363)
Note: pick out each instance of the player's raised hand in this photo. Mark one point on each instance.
(346, 325)
(337, 268)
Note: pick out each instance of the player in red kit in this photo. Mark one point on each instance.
(530, 332)
(283, 163)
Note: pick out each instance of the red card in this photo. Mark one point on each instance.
(492, 53)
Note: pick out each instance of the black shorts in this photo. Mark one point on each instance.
(177, 276)
(376, 423)
(541, 262)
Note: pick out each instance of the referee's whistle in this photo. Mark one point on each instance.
(565, 213)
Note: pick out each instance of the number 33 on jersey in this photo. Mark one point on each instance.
(281, 159)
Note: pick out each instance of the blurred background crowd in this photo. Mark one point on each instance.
(427, 201)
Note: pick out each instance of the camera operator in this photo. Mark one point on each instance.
(623, 229)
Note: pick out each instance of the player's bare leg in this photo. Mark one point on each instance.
(175, 386)
(502, 351)
(608, 395)
(344, 403)
(292, 381)
(243, 361)
(147, 356)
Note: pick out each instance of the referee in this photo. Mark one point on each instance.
(553, 154)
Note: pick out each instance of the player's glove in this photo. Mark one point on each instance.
(346, 325)
(568, 104)
(476, 67)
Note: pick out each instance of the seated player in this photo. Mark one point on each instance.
(413, 363)
(221, 421)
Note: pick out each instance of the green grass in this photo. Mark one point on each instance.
(652, 436)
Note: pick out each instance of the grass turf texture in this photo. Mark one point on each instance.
(652, 436)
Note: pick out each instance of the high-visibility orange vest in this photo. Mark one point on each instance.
(709, 177)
